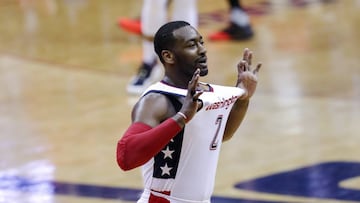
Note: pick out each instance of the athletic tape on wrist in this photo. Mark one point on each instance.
(183, 116)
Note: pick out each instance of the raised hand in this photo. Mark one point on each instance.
(190, 104)
(247, 77)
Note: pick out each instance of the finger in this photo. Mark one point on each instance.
(250, 57)
(241, 66)
(195, 75)
(194, 81)
(247, 66)
(256, 70)
(246, 54)
(196, 96)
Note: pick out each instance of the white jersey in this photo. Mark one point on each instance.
(185, 169)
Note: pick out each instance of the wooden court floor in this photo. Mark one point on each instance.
(64, 66)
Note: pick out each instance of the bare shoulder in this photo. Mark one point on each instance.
(152, 109)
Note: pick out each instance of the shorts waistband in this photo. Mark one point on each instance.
(172, 199)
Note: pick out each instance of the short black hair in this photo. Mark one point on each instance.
(164, 38)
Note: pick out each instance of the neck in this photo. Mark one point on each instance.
(176, 82)
(200, 86)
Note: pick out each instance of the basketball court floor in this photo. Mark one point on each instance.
(64, 67)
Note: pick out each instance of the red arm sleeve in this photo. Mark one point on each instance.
(141, 142)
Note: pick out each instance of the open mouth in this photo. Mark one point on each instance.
(202, 62)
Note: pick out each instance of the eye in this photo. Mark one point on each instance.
(191, 44)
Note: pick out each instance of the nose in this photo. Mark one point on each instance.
(201, 48)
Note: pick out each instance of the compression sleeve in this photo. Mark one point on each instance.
(141, 142)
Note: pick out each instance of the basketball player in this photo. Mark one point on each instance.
(179, 123)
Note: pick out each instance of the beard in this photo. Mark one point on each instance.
(204, 71)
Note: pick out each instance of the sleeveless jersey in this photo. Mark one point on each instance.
(185, 168)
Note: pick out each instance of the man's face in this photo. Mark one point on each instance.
(190, 51)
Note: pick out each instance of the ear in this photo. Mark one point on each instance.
(168, 56)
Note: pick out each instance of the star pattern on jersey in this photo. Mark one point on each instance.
(165, 170)
(167, 152)
(166, 161)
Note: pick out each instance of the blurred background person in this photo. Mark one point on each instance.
(239, 27)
